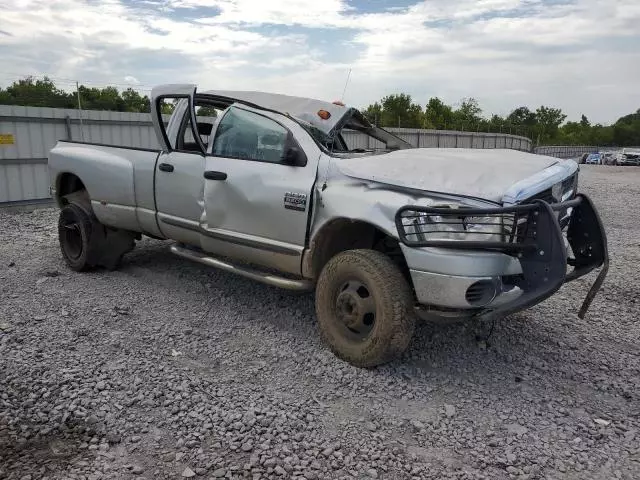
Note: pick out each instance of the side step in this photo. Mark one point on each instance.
(269, 279)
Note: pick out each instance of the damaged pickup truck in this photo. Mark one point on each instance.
(268, 187)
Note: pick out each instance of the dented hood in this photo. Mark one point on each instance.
(486, 174)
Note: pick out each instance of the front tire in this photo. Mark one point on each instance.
(364, 307)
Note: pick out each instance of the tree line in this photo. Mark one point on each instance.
(544, 125)
(31, 92)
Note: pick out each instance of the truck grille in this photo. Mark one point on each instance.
(516, 228)
(546, 195)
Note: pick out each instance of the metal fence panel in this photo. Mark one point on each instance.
(443, 139)
(573, 151)
(565, 151)
(24, 176)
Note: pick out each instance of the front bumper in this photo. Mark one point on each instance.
(541, 252)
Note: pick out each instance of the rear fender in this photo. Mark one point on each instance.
(107, 174)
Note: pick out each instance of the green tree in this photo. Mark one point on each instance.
(496, 124)
(467, 117)
(398, 110)
(626, 131)
(134, 102)
(167, 107)
(107, 98)
(438, 115)
(548, 120)
(43, 93)
(522, 116)
(206, 112)
(373, 113)
(30, 92)
(600, 135)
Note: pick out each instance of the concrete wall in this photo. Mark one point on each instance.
(28, 133)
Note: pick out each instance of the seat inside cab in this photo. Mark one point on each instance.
(189, 144)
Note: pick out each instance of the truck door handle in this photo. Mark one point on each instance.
(213, 175)
(165, 167)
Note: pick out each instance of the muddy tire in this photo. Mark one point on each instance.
(364, 307)
(74, 234)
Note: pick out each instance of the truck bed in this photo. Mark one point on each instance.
(119, 181)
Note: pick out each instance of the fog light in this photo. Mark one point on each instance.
(481, 293)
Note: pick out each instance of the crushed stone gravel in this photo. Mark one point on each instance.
(165, 369)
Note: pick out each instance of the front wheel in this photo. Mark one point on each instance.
(364, 307)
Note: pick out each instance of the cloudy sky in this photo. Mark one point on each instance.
(580, 55)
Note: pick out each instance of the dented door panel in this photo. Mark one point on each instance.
(260, 212)
(248, 212)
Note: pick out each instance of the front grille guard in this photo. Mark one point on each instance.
(531, 232)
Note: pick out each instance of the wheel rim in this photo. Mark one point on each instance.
(72, 238)
(355, 310)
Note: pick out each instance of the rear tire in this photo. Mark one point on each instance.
(364, 307)
(74, 234)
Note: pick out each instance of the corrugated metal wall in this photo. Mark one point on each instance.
(28, 133)
(565, 151)
(444, 139)
(573, 151)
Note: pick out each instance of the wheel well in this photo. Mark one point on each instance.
(344, 234)
(67, 183)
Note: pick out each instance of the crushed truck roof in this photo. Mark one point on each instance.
(305, 109)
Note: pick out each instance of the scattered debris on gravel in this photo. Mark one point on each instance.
(165, 369)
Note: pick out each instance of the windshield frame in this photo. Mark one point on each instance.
(323, 139)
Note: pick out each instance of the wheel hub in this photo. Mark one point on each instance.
(347, 309)
(355, 308)
(72, 235)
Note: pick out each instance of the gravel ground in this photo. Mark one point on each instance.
(166, 369)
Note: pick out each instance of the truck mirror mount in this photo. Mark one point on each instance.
(293, 154)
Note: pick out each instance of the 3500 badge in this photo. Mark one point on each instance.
(295, 201)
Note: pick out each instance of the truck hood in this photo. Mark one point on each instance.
(493, 174)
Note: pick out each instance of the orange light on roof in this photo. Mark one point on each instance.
(338, 102)
(324, 115)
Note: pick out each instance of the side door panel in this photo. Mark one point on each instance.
(260, 212)
(179, 196)
(178, 174)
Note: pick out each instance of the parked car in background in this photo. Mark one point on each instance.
(593, 159)
(609, 158)
(629, 157)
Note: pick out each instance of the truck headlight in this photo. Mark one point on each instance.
(423, 226)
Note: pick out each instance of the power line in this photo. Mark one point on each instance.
(72, 82)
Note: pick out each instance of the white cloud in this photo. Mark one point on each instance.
(580, 55)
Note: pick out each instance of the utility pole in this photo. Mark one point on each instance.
(80, 112)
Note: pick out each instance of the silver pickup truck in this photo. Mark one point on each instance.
(268, 186)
